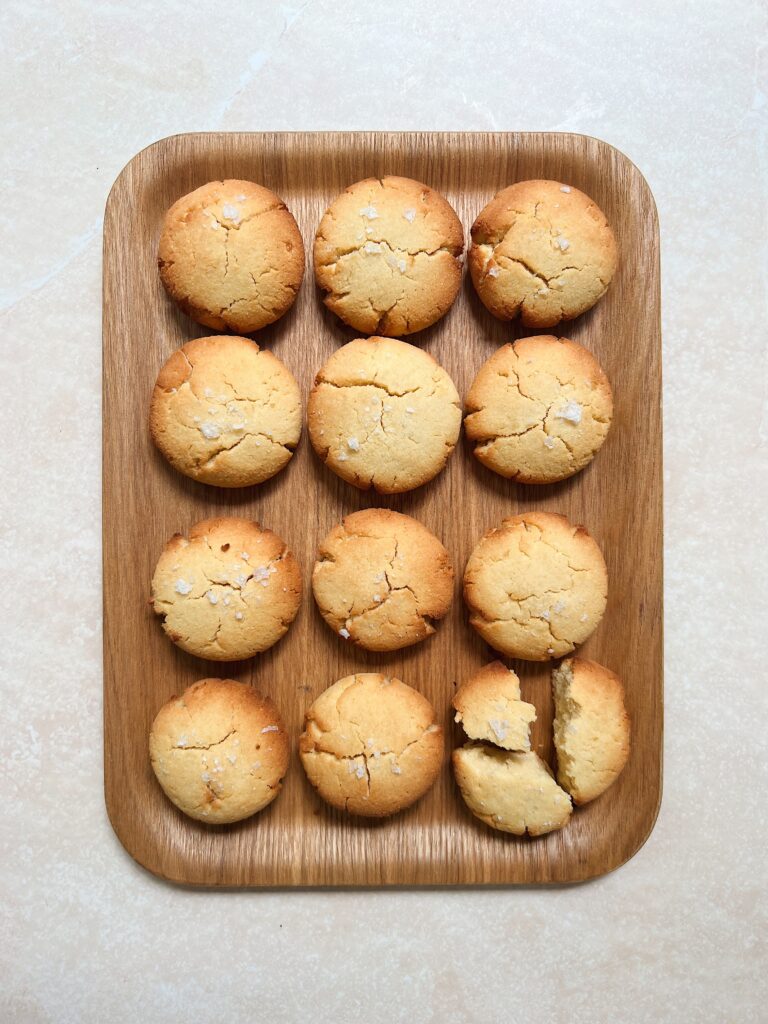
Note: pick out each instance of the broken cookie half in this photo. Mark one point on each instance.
(488, 707)
(511, 791)
(591, 728)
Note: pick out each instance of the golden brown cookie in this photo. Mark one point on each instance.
(219, 751)
(371, 745)
(383, 414)
(228, 591)
(542, 251)
(388, 255)
(591, 728)
(510, 791)
(225, 412)
(489, 707)
(539, 410)
(536, 586)
(231, 256)
(382, 580)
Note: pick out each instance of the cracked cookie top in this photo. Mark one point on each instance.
(536, 586)
(388, 255)
(225, 412)
(542, 251)
(539, 410)
(219, 751)
(383, 414)
(591, 728)
(231, 256)
(489, 707)
(371, 745)
(510, 791)
(228, 591)
(382, 580)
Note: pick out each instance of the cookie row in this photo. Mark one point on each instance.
(381, 414)
(372, 746)
(387, 255)
(536, 586)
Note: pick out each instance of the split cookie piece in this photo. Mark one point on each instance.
(542, 251)
(371, 745)
(488, 707)
(225, 412)
(536, 586)
(591, 728)
(231, 256)
(510, 791)
(228, 591)
(383, 414)
(388, 256)
(539, 410)
(382, 580)
(219, 751)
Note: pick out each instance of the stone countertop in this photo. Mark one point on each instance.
(674, 935)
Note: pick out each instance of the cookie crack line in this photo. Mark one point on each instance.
(485, 438)
(372, 384)
(394, 250)
(422, 618)
(222, 406)
(248, 433)
(368, 753)
(231, 225)
(165, 608)
(205, 746)
(529, 527)
(478, 615)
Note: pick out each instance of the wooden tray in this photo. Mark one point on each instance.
(298, 840)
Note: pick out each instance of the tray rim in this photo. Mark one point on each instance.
(177, 880)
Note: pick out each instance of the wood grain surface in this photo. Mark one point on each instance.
(298, 841)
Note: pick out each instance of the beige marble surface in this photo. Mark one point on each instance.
(675, 935)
